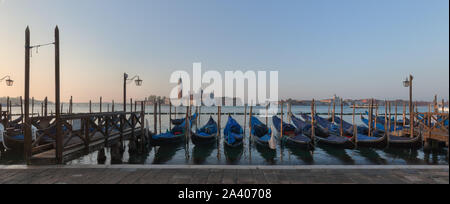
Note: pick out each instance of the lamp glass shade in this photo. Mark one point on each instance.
(138, 82)
(9, 82)
(406, 83)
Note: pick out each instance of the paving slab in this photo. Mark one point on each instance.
(191, 174)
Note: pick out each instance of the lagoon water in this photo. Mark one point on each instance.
(251, 154)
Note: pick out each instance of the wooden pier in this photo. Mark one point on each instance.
(432, 127)
(85, 133)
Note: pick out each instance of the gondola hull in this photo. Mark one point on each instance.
(233, 134)
(335, 141)
(405, 142)
(303, 143)
(238, 144)
(259, 142)
(380, 142)
(176, 139)
(260, 133)
(12, 143)
(207, 134)
(300, 140)
(203, 140)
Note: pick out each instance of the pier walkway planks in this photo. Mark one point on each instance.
(165, 174)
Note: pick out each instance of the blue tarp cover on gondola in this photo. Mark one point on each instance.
(209, 129)
(379, 126)
(260, 130)
(286, 127)
(178, 129)
(233, 131)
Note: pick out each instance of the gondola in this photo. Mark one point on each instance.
(207, 134)
(293, 136)
(260, 133)
(332, 138)
(176, 135)
(399, 141)
(233, 134)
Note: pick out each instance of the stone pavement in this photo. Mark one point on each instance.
(187, 174)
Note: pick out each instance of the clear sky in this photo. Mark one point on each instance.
(354, 48)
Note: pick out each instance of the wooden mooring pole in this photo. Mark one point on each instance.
(143, 139)
(341, 129)
(46, 106)
(395, 117)
(27, 138)
(355, 130)
(159, 115)
(334, 109)
(282, 116)
(386, 131)
(155, 119)
(170, 115)
(21, 108)
(389, 120)
(59, 135)
(313, 115)
(370, 118)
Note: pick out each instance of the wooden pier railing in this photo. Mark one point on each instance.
(432, 126)
(83, 133)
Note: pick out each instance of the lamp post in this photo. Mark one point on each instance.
(408, 83)
(138, 82)
(8, 80)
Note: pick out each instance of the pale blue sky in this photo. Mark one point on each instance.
(354, 48)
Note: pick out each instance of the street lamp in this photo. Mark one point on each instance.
(408, 83)
(138, 82)
(8, 80)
